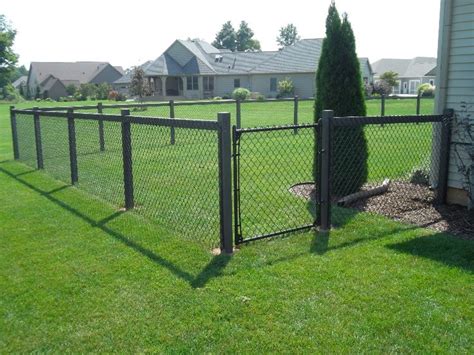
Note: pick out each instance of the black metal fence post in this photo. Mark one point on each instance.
(238, 110)
(325, 194)
(172, 130)
(72, 146)
(445, 141)
(382, 105)
(38, 143)
(100, 110)
(418, 99)
(225, 181)
(16, 152)
(295, 114)
(127, 160)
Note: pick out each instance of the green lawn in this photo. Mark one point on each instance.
(78, 274)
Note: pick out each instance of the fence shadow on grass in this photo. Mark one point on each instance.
(212, 270)
(441, 248)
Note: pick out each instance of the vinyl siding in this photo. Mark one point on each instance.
(460, 74)
(304, 84)
(107, 75)
(180, 53)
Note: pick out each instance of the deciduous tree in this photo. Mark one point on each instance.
(288, 36)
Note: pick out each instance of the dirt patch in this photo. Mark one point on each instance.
(409, 203)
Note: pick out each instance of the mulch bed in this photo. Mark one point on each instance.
(409, 203)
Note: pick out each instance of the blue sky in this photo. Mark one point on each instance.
(130, 32)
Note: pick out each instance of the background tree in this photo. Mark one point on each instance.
(245, 40)
(288, 36)
(19, 72)
(390, 77)
(71, 89)
(226, 38)
(139, 85)
(103, 90)
(8, 58)
(339, 88)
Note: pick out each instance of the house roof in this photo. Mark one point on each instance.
(301, 57)
(415, 67)
(81, 72)
(20, 81)
(127, 76)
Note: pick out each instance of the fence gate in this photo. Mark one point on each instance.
(273, 181)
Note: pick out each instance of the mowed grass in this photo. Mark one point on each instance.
(78, 274)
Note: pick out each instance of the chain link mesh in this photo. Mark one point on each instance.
(402, 156)
(55, 144)
(178, 185)
(26, 139)
(274, 168)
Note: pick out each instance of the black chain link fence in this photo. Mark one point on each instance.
(392, 175)
(174, 183)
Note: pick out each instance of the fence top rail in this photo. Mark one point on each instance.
(152, 121)
(276, 128)
(167, 103)
(349, 121)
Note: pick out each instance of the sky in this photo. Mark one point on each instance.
(128, 33)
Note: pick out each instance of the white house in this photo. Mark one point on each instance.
(455, 90)
(411, 72)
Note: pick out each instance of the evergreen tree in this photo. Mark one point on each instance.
(339, 88)
(245, 41)
(226, 38)
(288, 36)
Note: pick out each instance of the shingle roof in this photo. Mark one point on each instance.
(302, 57)
(20, 81)
(416, 67)
(127, 77)
(81, 72)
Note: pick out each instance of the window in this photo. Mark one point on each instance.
(208, 83)
(236, 83)
(192, 83)
(273, 84)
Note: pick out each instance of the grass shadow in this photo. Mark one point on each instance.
(213, 269)
(441, 248)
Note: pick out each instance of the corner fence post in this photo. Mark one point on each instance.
(172, 130)
(127, 160)
(325, 194)
(295, 114)
(16, 152)
(382, 105)
(238, 110)
(38, 143)
(72, 146)
(100, 110)
(418, 98)
(225, 181)
(445, 141)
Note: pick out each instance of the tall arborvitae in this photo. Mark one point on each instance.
(339, 88)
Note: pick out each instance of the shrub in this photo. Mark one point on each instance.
(217, 98)
(286, 88)
(426, 90)
(112, 95)
(368, 89)
(240, 94)
(339, 87)
(121, 97)
(71, 89)
(226, 97)
(381, 87)
(420, 176)
(260, 97)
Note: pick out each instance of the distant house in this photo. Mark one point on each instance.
(455, 90)
(20, 82)
(52, 78)
(411, 72)
(195, 69)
